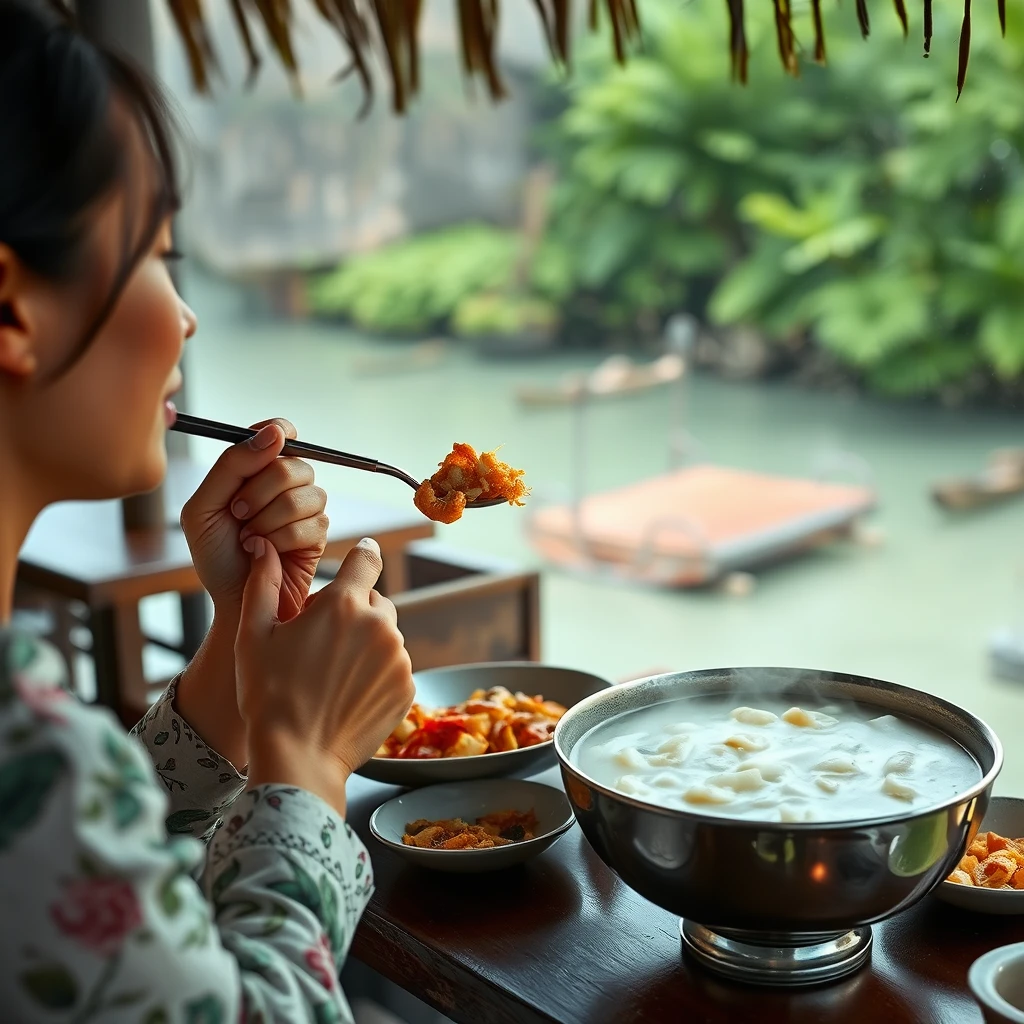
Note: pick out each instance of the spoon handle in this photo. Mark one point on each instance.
(199, 427)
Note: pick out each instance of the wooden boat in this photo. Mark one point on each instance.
(1002, 478)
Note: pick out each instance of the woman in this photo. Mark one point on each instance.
(102, 919)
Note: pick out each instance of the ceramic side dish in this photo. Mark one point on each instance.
(469, 801)
(444, 687)
(997, 981)
(1005, 815)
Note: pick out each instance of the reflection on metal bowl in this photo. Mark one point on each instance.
(774, 903)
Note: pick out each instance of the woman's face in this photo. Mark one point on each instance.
(98, 429)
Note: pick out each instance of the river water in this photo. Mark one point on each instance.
(919, 607)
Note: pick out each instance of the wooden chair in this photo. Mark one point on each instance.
(464, 609)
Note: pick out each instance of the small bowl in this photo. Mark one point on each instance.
(997, 981)
(469, 801)
(1005, 815)
(443, 687)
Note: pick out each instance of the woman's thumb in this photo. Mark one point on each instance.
(262, 589)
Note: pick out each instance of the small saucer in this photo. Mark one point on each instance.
(469, 801)
(1005, 816)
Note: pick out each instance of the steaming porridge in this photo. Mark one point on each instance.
(774, 762)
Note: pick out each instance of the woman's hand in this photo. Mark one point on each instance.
(319, 694)
(252, 492)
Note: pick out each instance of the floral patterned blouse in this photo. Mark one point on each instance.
(102, 918)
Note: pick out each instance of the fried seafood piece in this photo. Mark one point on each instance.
(992, 862)
(464, 477)
(499, 829)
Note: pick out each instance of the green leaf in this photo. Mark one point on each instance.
(93, 810)
(170, 900)
(1002, 341)
(208, 1010)
(51, 985)
(25, 783)
(327, 1013)
(158, 1015)
(743, 294)
(127, 807)
(610, 244)
(180, 821)
(301, 888)
(224, 879)
(159, 740)
(206, 762)
(275, 922)
(239, 908)
(330, 915)
(923, 369)
(22, 651)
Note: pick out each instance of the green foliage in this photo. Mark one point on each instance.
(506, 314)
(859, 204)
(415, 284)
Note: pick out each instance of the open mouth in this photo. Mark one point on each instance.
(170, 409)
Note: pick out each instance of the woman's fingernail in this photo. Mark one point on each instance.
(247, 544)
(256, 546)
(264, 437)
(245, 534)
(370, 544)
(240, 509)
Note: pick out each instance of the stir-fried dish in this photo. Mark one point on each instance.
(465, 477)
(498, 829)
(992, 862)
(489, 722)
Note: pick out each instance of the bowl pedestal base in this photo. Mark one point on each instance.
(783, 959)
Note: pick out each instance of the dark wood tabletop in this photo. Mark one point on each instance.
(562, 939)
(80, 549)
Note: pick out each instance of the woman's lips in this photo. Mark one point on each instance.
(170, 413)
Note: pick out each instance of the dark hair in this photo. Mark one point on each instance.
(63, 148)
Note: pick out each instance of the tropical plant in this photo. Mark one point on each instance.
(859, 205)
(464, 277)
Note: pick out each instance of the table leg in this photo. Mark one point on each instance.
(195, 623)
(117, 644)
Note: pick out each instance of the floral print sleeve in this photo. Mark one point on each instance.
(200, 783)
(102, 918)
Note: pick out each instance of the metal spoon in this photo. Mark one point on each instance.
(199, 427)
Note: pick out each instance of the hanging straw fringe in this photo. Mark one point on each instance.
(391, 29)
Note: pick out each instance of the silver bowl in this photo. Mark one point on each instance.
(443, 687)
(767, 902)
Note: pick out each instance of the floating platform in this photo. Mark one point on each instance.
(690, 527)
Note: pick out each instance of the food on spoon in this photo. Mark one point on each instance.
(499, 829)
(992, 862)
(465, 477)
(489, 722)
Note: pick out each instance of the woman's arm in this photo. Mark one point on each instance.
(111, 925)
(202, 777)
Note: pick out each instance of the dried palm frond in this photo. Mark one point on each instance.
(390, 30)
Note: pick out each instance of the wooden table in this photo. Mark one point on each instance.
(80, 551)
(562, 939)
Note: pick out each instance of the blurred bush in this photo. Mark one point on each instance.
(859, 208)
(857, 212)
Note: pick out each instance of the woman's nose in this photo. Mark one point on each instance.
(189, 319)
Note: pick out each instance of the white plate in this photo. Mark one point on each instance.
(1005, 816)
(469, 801)
(443, 687)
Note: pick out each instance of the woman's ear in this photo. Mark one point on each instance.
(17, 346)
